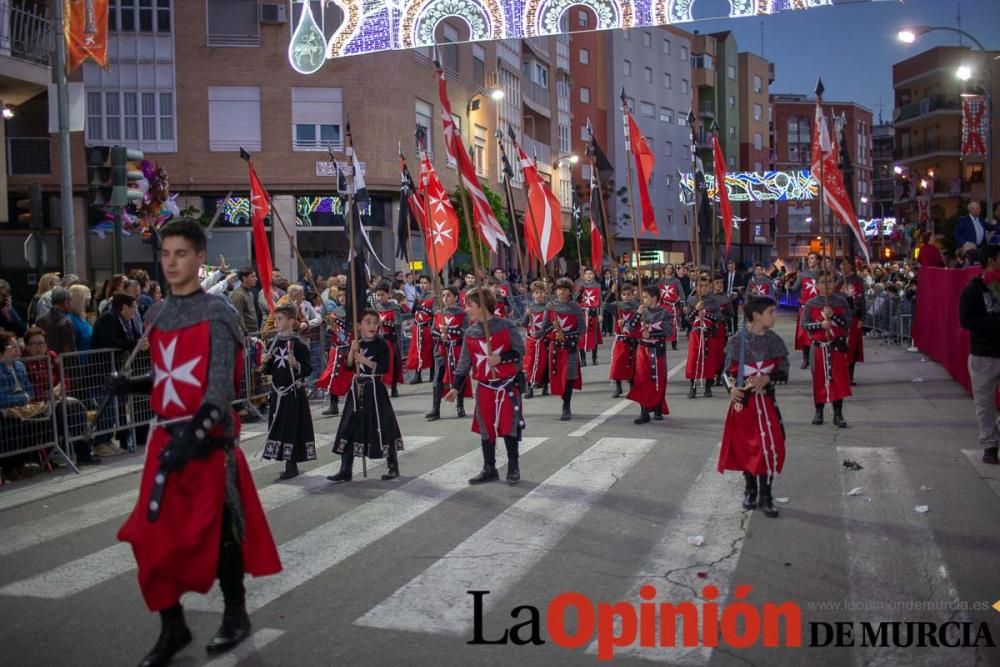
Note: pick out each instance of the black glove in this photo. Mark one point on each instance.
(120, 385)
(185, 443)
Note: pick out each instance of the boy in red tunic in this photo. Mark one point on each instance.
(449, 328)
(198, 516)
(336, 378)
(805, 284)
(566, 320)
(421, 352)
(627, 335)
(853, 289)
(589, 296)
(671, 294)
(391, 318)
(704, 312)
(827, 320)
(536, 347)
(649, 388)
(494, 363)
(753, 438)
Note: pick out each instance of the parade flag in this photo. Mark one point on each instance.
(440, 222)
(260, 207)
(725, 208)
(599, 160)
(543, 235)
(644, 163)
(827, 172)
(597, 223)
(358, 190)
(487, 224)
(975, 125)
(410, 209)
(86, 32)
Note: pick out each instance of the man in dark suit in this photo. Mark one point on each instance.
(734, 282)
(972, 228)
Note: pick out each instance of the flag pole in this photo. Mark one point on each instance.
(506, 175)
(352, 256)
(409, 231)
(715, 226)
(594, 176)
(578, 232)
(693, 123)
(631, 197)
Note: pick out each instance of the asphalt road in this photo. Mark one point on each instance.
(378, 572)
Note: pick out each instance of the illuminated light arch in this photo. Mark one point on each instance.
(541, 17)
(348, 30)
(484, 18)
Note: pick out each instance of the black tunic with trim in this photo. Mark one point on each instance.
(289, 422)
(368, 422)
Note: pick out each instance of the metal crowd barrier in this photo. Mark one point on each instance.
(32, 427)
(889, 317)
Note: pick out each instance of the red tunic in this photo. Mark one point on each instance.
(590, 301)
(179, 552)
(753, 440)
(536, 350)
(807, 290)
(830, 371)
(388, 331)
(623, 348)
(559, 355)
(856, 335)
(649, 388)
(497, 395)
(760, 288)
(421, 352)
(448, 345)
(336, 378)
(702, 354)
(670, 295)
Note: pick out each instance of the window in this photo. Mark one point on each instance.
(666, 47)
(670, 180)
(583, 18)
(479, 150)
(95, 123)
(758, 84)
(449, 48)
(646, 109)
(478, 65)
(731, 102)
(670, 149)
(230, 22)
(730, 72)
(630, 104)
(732, 162)
(564, 144)
(141, 118)
(425, 120)
(684, 53)
(153, 16)
(685, 87)
(628, 68)
(703, 61)
(316, 118)
(732, 132)
(666, 114)
(758, 112)
(584, 95)
(584, 134)
(233, 118)
(758, 141)
(682, 120)
(667, 81)
(584, 57)
(647, 40)
(647, 74)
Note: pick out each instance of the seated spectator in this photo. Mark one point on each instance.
(79, 295)
(10, 321)
(46, 283)
(56, 323)
(47, 380)
(15, 388)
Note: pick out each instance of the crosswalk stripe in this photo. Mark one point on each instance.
(497, 555)
(876, 573)
(711, 509)
(96, 568)
(52, 526)
(613, 410)
(254, 643)
(64, 483)
(323, 547)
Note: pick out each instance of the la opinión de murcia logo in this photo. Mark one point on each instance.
(574, 621)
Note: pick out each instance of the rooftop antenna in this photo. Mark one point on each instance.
(958, 17)
(762, 39)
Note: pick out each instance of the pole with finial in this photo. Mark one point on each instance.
(715, 227)
(693, 125)
(631, 190)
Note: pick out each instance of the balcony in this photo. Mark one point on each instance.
(707, 109)
(25, 47)
(542, 151)
(28, 156)
(926, 107)
(939, 146)
(536, 96)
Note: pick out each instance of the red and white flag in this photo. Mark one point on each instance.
(644, 163)
(260, 206)
(482, 214)
(725, 208)
(440, 222)
(543, 235)
(596, 222)
(826, 171)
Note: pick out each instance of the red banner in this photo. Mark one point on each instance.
(86, 32)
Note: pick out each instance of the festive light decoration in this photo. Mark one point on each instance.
(756, 186)
(334, 205)
(385, 25)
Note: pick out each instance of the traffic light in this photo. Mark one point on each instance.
(126, 176)
(99, 175)
(32, 207)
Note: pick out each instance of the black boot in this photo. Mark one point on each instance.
(334, 408)
(805, 358)
(174, 636)
(489, 472)
(643, 417)
(234, 629)
(567, 397)
(658, 414)
(531, 391)
(431, 373)
(391, 466)
(346, 467)
(838, 414)
(460, 407)
(749, 491)
(818, 418)
(395, 392)
(708, 388)
(417, 379)
(513, 468)
(291, 470)
(435, 412)
(990, 456)
(593, 358)
(673, 345)
(617, 390)
(692, 392)
(545, 389)
(853, 383)
(764, 502)
(583, 358)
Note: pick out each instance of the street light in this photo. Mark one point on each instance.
(910, 35)
(572, 159)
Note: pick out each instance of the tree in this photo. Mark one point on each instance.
(499, 210)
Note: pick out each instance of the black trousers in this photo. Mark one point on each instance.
(230, 568)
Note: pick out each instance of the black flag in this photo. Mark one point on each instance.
(405, 217)
(602, 165)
